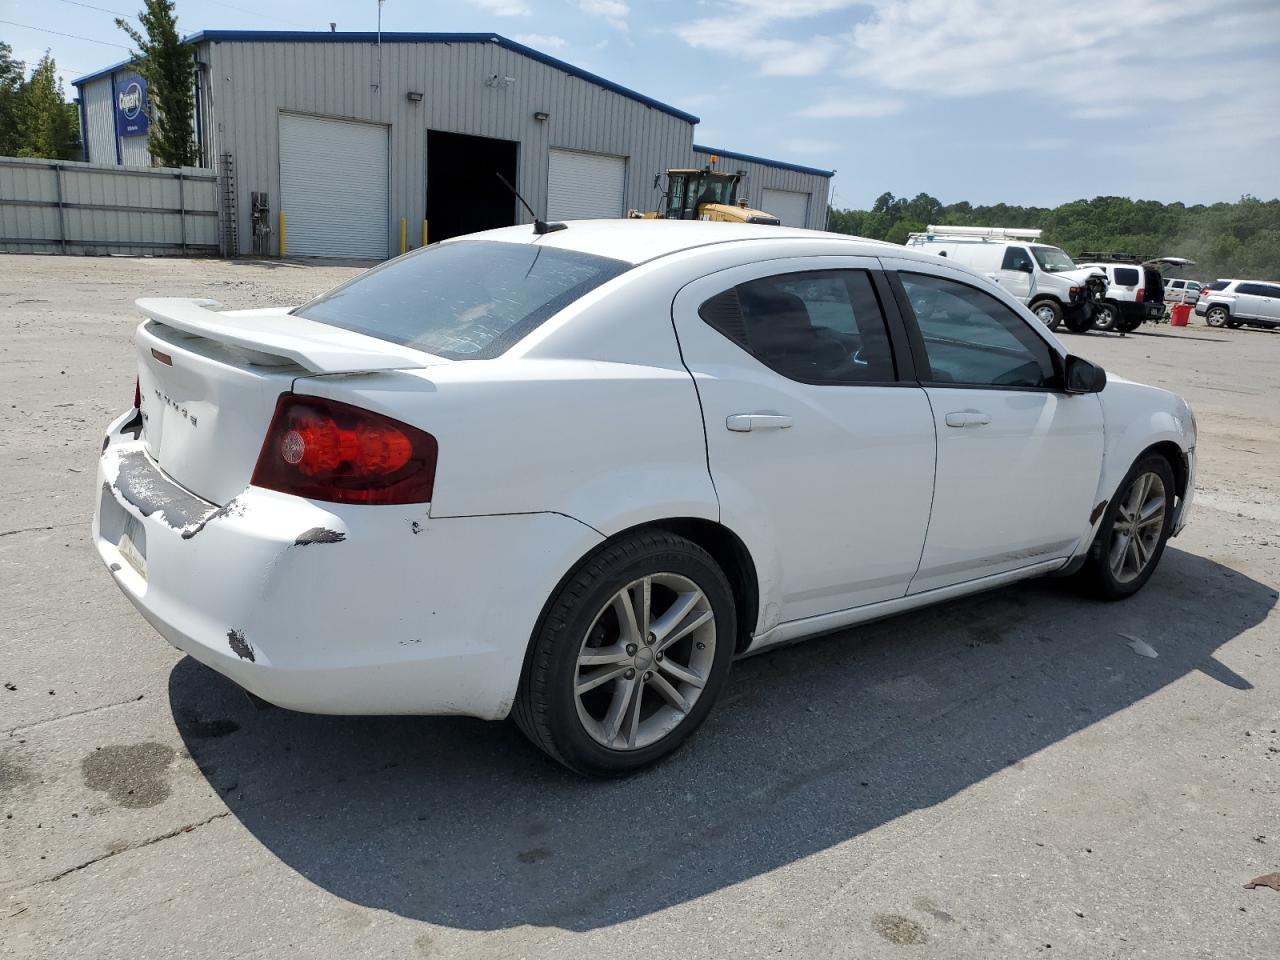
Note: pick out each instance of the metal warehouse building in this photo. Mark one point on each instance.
(361, 139)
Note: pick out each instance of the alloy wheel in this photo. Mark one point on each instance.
(644, 661)
(1136, 530)
(1216, 317)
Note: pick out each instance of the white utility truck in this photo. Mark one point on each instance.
(1041, 276)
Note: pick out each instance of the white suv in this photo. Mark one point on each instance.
(1234, 303)
(1135, 293)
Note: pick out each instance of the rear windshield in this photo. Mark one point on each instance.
(469, 300)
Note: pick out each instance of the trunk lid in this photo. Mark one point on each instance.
(209, 383)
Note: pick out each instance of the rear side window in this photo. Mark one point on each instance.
(1254, 289)
(819, 327)
(469, 300)
(1218, 285)
(972, 338)
(1126, 276)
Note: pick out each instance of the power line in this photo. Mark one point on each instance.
(70, 36)
(90, 6)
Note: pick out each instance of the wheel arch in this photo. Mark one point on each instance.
(1177, 462)
(726, 548)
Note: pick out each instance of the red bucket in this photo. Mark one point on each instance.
(1181, 312)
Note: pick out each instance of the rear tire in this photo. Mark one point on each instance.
(610, 686)
(1217, 317)
(1048, 312)
(1133, 533)
(1107, 317)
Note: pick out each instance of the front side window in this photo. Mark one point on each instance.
(1016, 258)
(972, 338)
(819, 327)
(468, 300)
(1052, 260)
(1126, 276)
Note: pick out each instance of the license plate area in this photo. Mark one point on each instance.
(133, 545)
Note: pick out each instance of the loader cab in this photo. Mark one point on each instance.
(687, 190)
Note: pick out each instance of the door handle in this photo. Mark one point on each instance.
(746, 422)
(968, 418)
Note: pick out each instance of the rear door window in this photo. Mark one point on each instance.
(469, 300)
(1254, 289)
(818, 327)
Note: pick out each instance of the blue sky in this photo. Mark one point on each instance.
(980, 100)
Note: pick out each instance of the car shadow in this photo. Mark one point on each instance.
(463, 823)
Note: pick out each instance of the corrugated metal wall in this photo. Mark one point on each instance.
(100, 120)
(51, 206)
(761, 177)
(251, 82)
(100, 117)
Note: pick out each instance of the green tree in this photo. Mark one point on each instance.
(1240, 239)
(46, 125)
(12, 74)
(168, 66)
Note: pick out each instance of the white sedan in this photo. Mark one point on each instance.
(571, 476)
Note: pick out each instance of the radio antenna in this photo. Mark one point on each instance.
(540, 226)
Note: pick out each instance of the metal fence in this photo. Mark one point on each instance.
(59, 206)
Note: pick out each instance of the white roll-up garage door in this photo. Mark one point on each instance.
(585, 186)
(790, 207)
(333, 187)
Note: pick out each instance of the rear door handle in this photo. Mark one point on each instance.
(968, 418)
(746, 422)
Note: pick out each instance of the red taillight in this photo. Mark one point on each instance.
(1139, 295)
(326, 450)
(137, 394)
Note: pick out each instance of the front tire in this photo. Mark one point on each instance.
(1217, 317)
(1134, 531)
(629, 657)
(1048, 312)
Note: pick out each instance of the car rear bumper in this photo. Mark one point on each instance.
(331, 608)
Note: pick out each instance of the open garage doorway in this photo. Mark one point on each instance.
(463, 194)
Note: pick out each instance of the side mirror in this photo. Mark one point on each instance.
(1081, 376)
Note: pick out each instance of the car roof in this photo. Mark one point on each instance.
(636, 241)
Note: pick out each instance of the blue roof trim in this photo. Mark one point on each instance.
(780, 164)
(321, 36)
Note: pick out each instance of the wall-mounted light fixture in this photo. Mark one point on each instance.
(541, 116)
(414, 96)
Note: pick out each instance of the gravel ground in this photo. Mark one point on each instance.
(1003, 776)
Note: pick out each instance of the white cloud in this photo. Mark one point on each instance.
(544, 41)
(504, 8)
(613, 12)
(804, 145)
(853, 105)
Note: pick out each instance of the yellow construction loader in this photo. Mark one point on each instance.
(704, 194)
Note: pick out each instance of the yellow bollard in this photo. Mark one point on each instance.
(282, 233)
(402, 235)
(424, 233)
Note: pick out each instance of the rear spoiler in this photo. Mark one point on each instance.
(317, 347)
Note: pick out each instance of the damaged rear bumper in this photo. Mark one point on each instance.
(330, 608)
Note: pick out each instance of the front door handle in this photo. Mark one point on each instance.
(968, 418)
(746, 422)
